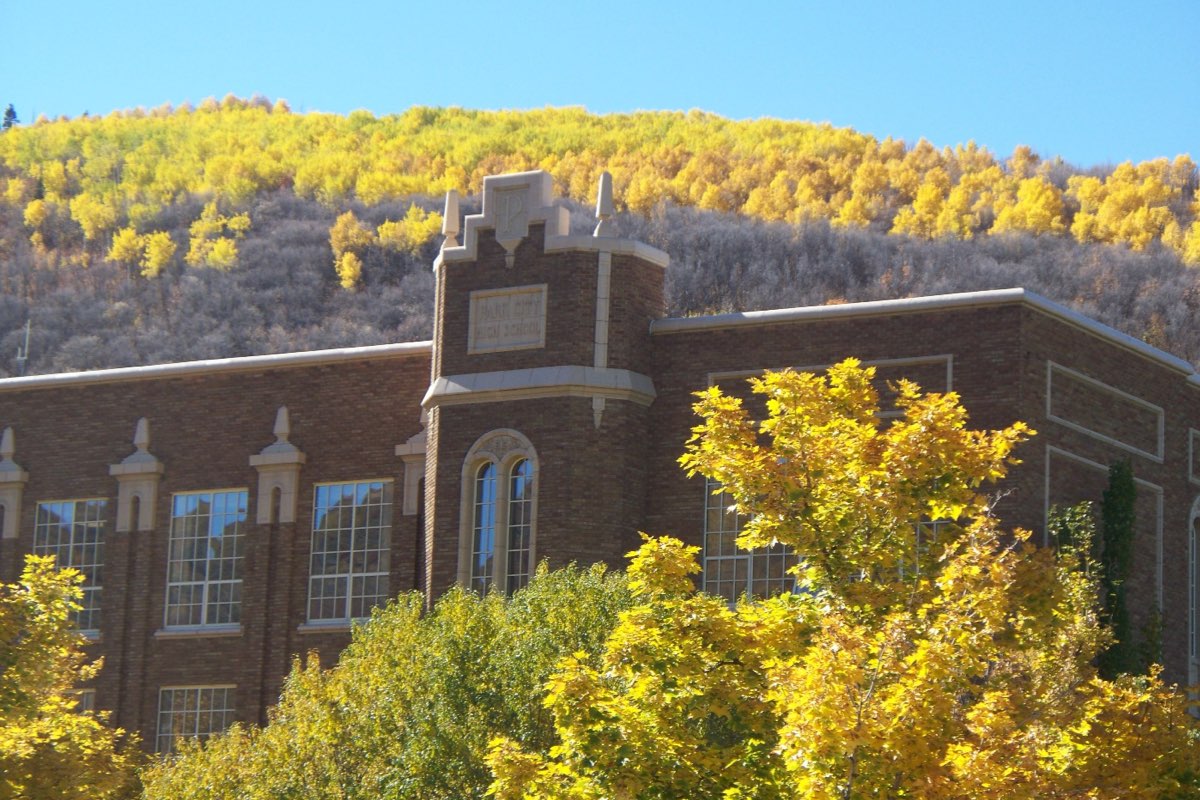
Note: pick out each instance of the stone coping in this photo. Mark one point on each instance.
(911, 305)
(217, 365)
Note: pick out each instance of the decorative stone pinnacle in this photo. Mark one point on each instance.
(283, 426)
(450, 220)
(141, 435)
(7, 449)
(604, 206)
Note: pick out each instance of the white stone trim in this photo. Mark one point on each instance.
(10, 502)
(12, 485)
(137, 476)
(278, 467)
(412, 453)
(217, 366)
(1160, 446)
(581, 243)
(1051, 450)
(603, 298)
(536, 190)
(525, 384)
(332, 626)
(503, 447)
(913, 305)
(198, 631)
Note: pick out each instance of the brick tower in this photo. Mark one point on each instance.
(539, 394)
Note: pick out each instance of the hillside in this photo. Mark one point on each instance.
(240, 227)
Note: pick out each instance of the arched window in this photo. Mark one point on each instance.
(499, 510)
(483, 540)
(519, 523)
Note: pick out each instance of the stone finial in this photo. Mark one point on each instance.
(12, 484)
(7, 449)
(283, 425)
(278, 468)
(137, 477)
(141, 435)
(604, 206)
(450, 220)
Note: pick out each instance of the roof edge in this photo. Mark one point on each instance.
(217, 365)
(910, 305)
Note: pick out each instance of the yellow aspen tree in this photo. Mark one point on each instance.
(95, 215)
(160, 249)
(207, 244)
(349, 235)
(222, 254)
(349, 269)
(920, 219)
(1023, 162)
(1038, 209)
(1191, 245)
(127, 247)
(956, 219)
(35, 215)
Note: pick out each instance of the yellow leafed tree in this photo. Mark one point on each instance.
(160, 249)
(949, 661)
(48, 749)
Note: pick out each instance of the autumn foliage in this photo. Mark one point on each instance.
(960, 665)
(89, 178)
(49, 748)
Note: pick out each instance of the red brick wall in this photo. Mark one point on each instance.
(591, 481)
(1046, 339)
(983, 343)
(597, 487)
(346, 417)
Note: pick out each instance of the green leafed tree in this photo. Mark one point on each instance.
(48, 747)
(412, 704)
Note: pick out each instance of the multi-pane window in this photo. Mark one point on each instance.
(519, 524)
(192, 712)
(349, 569)
(85, 701)
(731, 572)
(204, 561)
(502, 525)
(73, 532)
(483, 538)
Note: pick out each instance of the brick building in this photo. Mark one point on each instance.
(233, 513)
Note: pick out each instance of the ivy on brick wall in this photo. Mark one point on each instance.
(1117, 520)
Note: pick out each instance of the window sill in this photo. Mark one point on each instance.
(92, 635)
(198, 632)
(329, 626)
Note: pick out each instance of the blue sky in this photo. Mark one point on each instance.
(1094, 82)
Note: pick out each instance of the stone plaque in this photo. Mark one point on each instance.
(507, 319)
